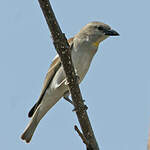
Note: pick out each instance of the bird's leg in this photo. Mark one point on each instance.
(66, 97)
(66, 94)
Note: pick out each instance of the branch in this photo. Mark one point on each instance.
(81, 136)
(63, 49)
(148, 144)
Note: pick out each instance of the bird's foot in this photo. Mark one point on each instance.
(66, 97)
(85, 108)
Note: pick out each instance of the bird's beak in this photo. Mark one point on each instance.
(111, 32)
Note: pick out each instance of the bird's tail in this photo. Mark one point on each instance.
(47, 103)
(29, 131)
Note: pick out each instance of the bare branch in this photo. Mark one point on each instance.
(81, 136)
(63, 49)
(148, 144)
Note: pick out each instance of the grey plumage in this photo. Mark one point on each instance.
(84, 45)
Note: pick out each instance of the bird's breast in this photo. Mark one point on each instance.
(81, 60)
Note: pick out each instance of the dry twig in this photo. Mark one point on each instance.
(81, 136)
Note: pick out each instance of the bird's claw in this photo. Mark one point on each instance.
(66, 97)
(85, 108)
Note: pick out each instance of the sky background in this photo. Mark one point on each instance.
(116, 88)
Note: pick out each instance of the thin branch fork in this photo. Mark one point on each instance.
(85, 141)
(63, 49)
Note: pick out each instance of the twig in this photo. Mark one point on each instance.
(81, 136)
(148, 144)
(63, 49)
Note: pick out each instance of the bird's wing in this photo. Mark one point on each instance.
(49, 76)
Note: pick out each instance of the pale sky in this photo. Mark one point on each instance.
(116, 88)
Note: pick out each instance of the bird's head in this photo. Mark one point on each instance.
(96, 32)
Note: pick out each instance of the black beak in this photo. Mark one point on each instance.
(111, 32)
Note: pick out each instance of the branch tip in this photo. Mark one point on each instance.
(85, 141)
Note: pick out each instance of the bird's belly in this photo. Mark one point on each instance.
(81, 64)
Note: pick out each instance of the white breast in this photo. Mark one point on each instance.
(81, 59)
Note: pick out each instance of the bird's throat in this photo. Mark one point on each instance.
(96, 44)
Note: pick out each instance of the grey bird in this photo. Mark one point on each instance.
(83, 45)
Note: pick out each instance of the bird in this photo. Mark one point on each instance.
(84, 46)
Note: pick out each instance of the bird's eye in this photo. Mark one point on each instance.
(100, 28)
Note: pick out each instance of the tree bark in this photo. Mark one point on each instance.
(148, 144)
(63, 49)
